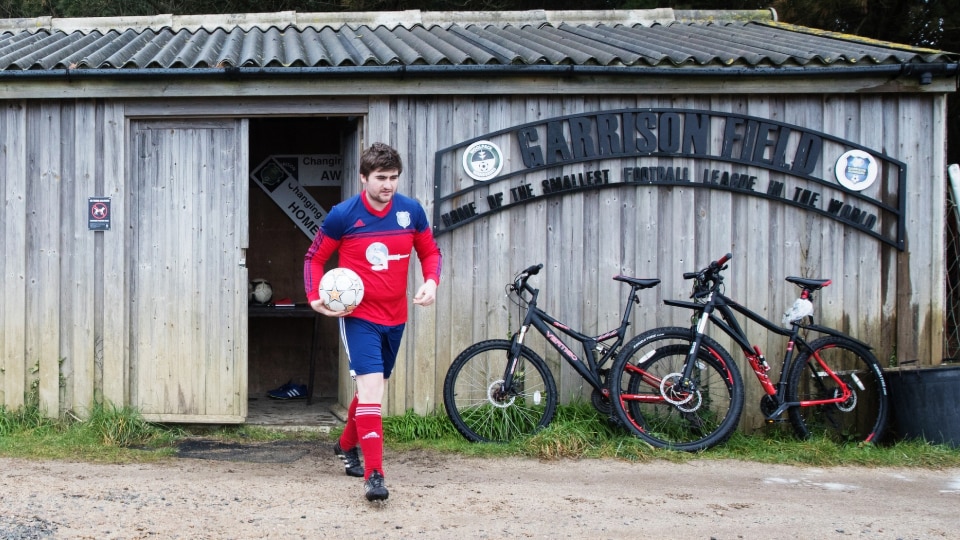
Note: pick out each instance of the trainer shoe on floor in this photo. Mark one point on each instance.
(374, 489)
(289, 391)
(351, 460)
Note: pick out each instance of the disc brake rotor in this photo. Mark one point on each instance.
(495, 395)
(851, 402)
(692, 404)
(670, 390)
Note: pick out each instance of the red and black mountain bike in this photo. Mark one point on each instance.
(678, 388)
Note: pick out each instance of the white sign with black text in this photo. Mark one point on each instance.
(279, 177)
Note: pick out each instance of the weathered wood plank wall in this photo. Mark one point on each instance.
(13, 262)
(69, 340)
(658, 231)
(53, 153)
(80, 124)
(111, 353)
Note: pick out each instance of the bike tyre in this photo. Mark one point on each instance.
(473, 377)
(866, 419)
(662, 351)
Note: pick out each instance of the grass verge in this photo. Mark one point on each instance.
(578, 432)
(109, 434)
(120, 435)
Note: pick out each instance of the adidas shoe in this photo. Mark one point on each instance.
(289, 391)
(374, 488)
(351, 460)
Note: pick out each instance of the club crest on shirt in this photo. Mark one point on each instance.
(403, 219)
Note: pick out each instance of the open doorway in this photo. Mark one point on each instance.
(282, 343)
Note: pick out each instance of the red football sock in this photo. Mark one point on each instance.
(370, 431)
(349, 438)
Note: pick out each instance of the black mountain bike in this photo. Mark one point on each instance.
(678, 388)
(498, 390)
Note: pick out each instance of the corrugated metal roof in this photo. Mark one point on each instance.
(632, 38)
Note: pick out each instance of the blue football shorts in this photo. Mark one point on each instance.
(371, 348)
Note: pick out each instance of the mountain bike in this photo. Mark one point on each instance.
(677, 388)
(499, 390)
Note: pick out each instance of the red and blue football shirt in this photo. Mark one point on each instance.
(377, 246)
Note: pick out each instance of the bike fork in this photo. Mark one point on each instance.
(515, 346)
(686, 382)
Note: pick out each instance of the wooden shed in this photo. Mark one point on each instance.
(150, 168)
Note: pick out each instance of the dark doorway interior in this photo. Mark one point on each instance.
(279, 348)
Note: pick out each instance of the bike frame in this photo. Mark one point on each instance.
(727, 322)
(588, 367)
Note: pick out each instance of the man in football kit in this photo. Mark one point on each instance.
(375, 233)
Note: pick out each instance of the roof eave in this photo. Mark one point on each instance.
(926, 72)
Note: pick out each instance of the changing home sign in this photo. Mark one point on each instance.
(282, 178)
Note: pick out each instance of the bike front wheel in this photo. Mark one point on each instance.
(646, 390)
(483, 409)
(862, 417)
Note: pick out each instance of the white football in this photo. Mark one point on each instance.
(261, 291)
(341, 289)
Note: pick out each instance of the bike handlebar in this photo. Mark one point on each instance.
(520, 282)
(713, 267)
(532, 270)
(709, 278)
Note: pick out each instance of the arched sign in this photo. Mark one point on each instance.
(697, 148)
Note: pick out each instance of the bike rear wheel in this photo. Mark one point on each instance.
(644, 389)
(479, 405)
(860, 418)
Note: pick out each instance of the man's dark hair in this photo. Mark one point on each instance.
(380, 156)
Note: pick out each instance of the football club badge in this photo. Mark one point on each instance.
(379, 256)
(483, 160)
(856, 170)
(403, 219)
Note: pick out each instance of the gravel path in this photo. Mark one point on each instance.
(301, 492)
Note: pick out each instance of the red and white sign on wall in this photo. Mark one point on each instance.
(98, 213)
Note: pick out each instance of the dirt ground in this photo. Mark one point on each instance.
(298, 490)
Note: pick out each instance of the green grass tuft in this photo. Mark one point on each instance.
(411, 427)
(26, 418)
(109, 434)
(120, 426)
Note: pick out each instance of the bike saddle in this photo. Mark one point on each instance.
(812, 284)
(638, 282)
